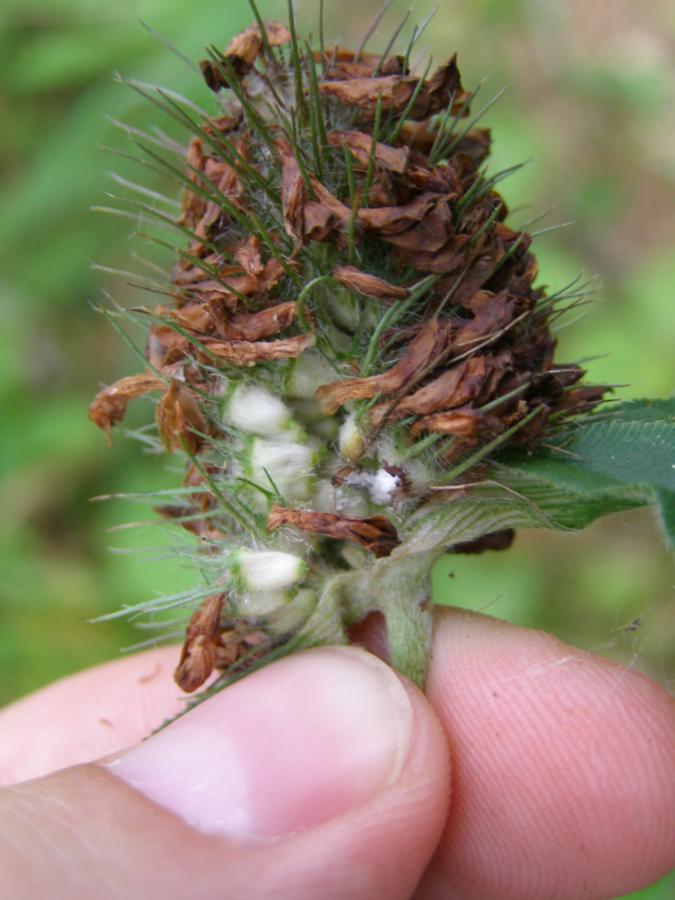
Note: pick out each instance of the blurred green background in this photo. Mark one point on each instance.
(591, 89)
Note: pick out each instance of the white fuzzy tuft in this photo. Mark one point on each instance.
(269, 570)
(255, 410)
(289, 465)
(381, 485)
(262, 603)
(308, 372)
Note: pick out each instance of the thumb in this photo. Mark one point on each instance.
(321, 775)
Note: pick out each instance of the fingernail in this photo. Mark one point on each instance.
(296, 744)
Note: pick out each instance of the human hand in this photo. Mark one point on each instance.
(324, 776)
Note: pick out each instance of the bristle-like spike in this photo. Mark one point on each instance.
(158, 139)
(300, 104)
(391, 42)
(165, 42)
(448, 149)
(142, 189)
(393, 136)
(263, 30)
(322, 39)
(371, 29)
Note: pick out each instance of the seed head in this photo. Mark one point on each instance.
(355, 330)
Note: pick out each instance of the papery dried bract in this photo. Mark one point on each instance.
(375, 533)
(110, 404)
(369, 285)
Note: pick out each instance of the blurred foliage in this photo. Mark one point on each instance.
(590, 92)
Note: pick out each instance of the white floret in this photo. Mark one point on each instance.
(255, 410)
(268, 570)
(288, 463)
(309, 371)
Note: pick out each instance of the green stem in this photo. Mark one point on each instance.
(398, 587)
(403, 592)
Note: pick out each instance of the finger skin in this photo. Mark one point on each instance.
(88, 715)
(563, 783)
(563, 768)
(83, 832)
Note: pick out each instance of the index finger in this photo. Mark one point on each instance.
(563, 768)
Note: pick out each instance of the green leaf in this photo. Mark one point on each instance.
(605, 463)
(610, 461)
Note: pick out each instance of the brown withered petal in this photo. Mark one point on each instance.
(194, 206)
(243, 49)
(382, 192)
(475, 144)
(292, 190)
(339, 210)
(202, 639)
(465, 423)
(341, 62)
(248, 256)
(242, 52)
(496, 540)
(223, 124)
(428, 235)
(318, 221)
(192, 317)
(582, 398)
(166, 347)
(442, 89)
(395, 91)
(375, 533)
(388, 220)
(493, 314)
(441, 180)
(248, 353)
(263, 324)
(457, 386)
(369, 285)
(195, 478)
(110, 404)
(179, 419)
(448, 259)
(419, 355)
(394, 159)
(212, 75)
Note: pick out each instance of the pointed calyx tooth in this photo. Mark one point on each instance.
(351, 441)
(267, 570)
(255, 410)
(375, 533)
